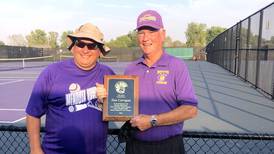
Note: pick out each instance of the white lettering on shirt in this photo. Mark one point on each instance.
(82, 99)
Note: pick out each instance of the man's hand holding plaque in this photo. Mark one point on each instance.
(120, 93)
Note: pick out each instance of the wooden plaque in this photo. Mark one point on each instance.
(122, 102)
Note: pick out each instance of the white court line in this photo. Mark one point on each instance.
(19, 120)
(6, 79)
(11, 122)
(8, 122)
(12, 109)
(9, 82)
(13, 77)
(10, 79)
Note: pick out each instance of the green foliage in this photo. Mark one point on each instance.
(212, 32)
(133, 37)
(253, 41)
(2, 43)
(178, 43)
(124, 41)
(130, 40)
(196, 35)
(120, 42)
(17, 40)
(52, 38)
(271, 42)
(37, 38)
(169, 43)
(63, 38)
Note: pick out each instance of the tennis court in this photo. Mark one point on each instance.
(15, 87)
(226, 104)
(17, 77)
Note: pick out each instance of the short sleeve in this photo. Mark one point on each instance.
(183, 86)
(37, 102)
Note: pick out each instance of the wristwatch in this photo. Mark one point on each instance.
(153, 121)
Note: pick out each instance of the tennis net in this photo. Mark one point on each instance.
(101, 59)
(21, 63)
(64, 57)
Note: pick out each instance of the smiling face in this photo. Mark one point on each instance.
(85, 54)
(151, 40)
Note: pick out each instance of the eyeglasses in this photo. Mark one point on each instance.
(91, 46)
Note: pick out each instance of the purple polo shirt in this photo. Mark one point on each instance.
(67, 96)
(163, 87)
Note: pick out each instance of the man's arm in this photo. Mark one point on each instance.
(33, 127)
(177, 115)
(180, 114)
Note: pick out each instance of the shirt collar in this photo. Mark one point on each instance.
(163, 61)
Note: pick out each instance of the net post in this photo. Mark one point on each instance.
(23, 63)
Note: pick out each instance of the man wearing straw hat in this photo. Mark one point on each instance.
(66, 93)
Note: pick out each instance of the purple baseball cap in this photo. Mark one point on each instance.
(150, 18)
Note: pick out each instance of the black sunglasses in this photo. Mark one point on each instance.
(91, 46)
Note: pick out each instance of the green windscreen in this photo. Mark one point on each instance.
(184, 53)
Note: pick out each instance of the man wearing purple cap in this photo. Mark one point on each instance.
(166, 93)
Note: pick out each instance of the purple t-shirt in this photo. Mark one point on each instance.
(163, 87)
(67, 96)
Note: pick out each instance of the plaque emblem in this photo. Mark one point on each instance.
(120, 87)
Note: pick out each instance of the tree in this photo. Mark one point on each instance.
(64, 38)
(17, 40)
(37, 38)
(130, 40)
(124, 41)
(196, 35)
(120, 42)
(271, 42)
(2, 43)
(212, 32)
(243, 35)
(168, 42)
(178, 43)
(133, 37)
(52, 39)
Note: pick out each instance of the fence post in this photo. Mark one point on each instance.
(259, 49)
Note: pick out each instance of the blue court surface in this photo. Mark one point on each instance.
(15, 87)
(226, 103)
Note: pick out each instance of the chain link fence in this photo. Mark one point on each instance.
(24, 52)
(247, 49)
(14, 140)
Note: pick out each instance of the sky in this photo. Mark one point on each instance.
(118, 17)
